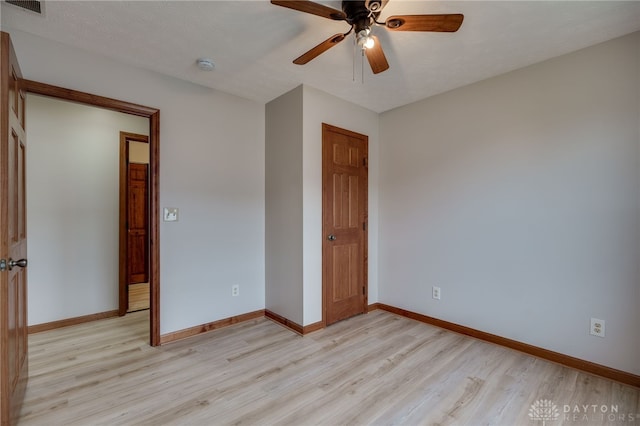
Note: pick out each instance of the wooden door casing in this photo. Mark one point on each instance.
(13, 236)
(344, 207)
(153, 114)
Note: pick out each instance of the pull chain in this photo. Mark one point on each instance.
(354, 59)
(355, 47)
(362, 65)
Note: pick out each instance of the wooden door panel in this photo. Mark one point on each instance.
(13, 245)
(22, 108)
(16, 316)
(344, 221)
(137, 205)
(13, 187)
(21, 189)
(346, 277)
(16, 311)
(12, 328)
(137, 258)
(137, 241)
(21, 325)
(343, 154)
(345, 201)
(13, 90)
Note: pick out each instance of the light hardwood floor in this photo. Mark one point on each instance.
(138, 297)
(376, 368)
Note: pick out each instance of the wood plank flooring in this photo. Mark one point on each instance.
(376, 368)
(138, 297)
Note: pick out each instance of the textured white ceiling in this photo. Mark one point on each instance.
(253, 42)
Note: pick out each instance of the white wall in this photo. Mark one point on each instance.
(139, 152)
(72, 207)
(283, 198)
(320, 107)
(519, 197)
(212, 168)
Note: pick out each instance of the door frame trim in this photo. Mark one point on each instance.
(123, 264)
(153, 114)
(365, 249)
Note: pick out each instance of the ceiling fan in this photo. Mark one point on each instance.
(362, 15)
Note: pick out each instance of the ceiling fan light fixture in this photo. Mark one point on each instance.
(365, 41)
(369, 43)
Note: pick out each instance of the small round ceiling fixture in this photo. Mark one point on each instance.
(205, 64)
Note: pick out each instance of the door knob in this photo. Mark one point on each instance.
(331, 237)
(22, 263)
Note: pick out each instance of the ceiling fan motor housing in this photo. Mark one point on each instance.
(359, 15)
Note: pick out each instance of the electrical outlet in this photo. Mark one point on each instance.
(597, 327)
(235, 290)
(435, 292)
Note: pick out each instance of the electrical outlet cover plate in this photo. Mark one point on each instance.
(597, 327)
(435, 292)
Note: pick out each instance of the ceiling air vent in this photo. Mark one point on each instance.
(33, 6)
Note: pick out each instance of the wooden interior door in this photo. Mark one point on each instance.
(134, 229)
(138, 211)
(344, 207)
(13, 236)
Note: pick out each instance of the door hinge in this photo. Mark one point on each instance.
(3, 265)
(363, 293)
(364, 161)
(364, 226)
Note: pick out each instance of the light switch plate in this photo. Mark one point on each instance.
(170, 214)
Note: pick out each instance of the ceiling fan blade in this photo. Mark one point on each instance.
(439, 23)
(319, 49)
(312, 8)
(376, 57)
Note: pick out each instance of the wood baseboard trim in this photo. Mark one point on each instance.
(284, 321)
(70, 321)
(373, 307)
(312, 327)
(302, 330)
(204, 328)
(566, 360)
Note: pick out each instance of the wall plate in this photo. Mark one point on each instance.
(170, 214)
